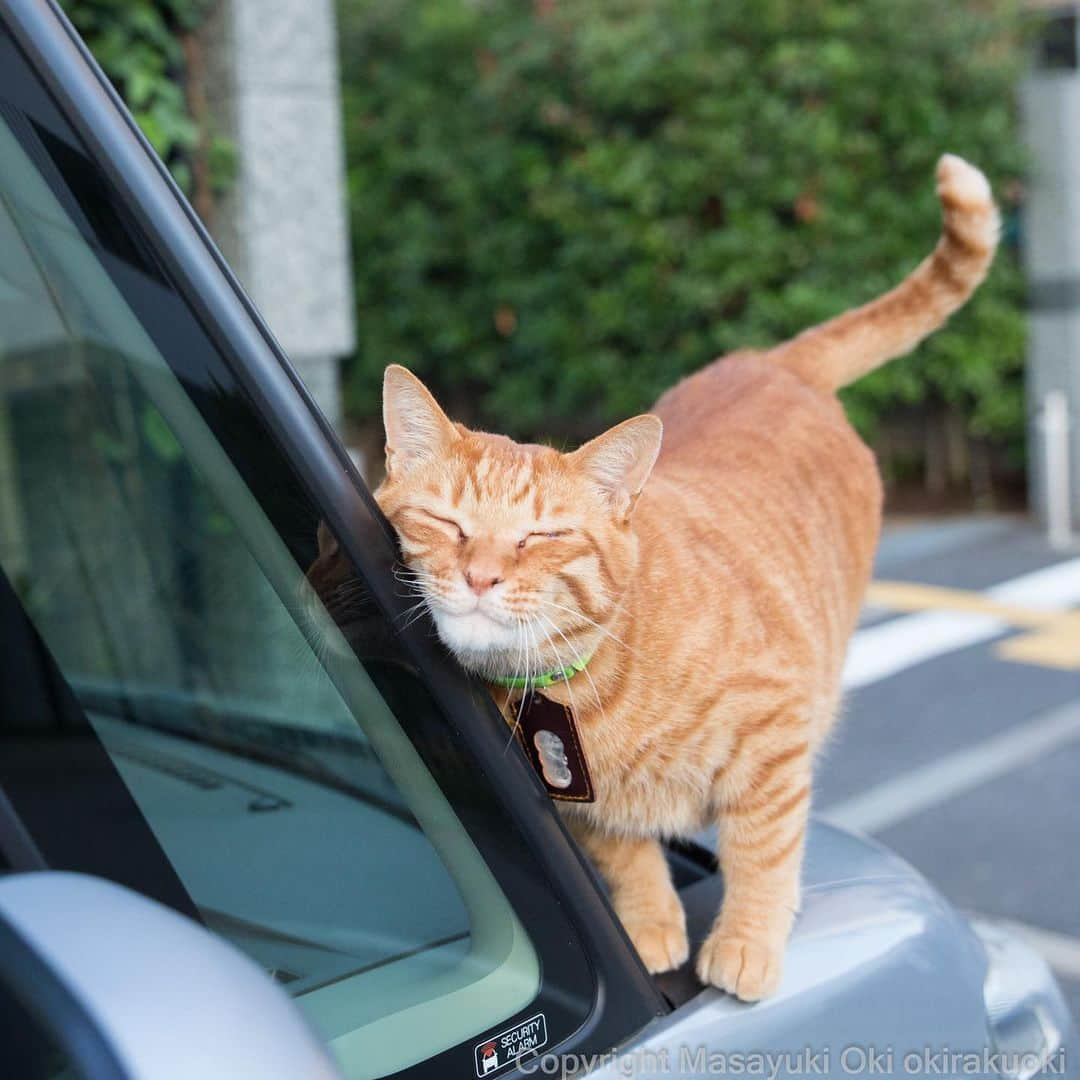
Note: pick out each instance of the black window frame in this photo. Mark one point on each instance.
(240, 380)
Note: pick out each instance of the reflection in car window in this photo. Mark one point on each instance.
(264, 757)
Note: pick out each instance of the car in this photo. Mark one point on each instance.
(240, 837)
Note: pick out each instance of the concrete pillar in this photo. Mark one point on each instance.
(1050, 104)
(271, 85)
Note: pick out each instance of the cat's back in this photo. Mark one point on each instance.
(743, 404)
(747, 422)
(762, 480)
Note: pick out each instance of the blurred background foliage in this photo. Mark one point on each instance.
(560, 208)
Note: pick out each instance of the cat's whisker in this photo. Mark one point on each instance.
(413, 613)
(527, 628)
(520, 635)
(415, 578)
(404, 617)
(584, 670)
(405, 568)
(559, 661)
(417, 583)
(415, 619)
(416, 589)
(590, 622)
(411, 585)
(417, 598)
(579, 614)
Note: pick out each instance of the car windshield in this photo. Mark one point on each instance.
(263, 756)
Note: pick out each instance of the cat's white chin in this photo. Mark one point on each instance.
(477, 640)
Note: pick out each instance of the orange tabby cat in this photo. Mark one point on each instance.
(711, 582)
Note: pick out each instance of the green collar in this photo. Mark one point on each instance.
(548, 678)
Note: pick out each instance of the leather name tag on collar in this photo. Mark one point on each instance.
(549, 735)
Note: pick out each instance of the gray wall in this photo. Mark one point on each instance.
(272, 87)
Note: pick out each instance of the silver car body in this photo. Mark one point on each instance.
(883, 977)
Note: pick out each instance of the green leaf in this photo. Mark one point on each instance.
(138, 44)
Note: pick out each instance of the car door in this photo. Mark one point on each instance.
(178, 711)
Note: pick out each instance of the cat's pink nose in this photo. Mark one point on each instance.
(480, 579)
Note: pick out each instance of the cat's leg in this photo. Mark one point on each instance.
(761, 845)
(642, 894)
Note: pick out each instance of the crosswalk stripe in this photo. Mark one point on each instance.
(878, 652)
(914, 791)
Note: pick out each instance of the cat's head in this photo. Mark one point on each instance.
(519, 552)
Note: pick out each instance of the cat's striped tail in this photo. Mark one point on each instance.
(845, 348)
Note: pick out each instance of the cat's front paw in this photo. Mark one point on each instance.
(662, 945)
(746, 968)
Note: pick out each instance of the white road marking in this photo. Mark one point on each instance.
(880, 651)
(917, 790)
(1060, 951)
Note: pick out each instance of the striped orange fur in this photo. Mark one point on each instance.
(715, 582)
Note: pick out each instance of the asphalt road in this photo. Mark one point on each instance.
(959, 746)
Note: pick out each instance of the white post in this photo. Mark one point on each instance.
(1055, 425)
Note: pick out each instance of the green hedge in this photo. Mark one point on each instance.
(559, 208)
(141, 45)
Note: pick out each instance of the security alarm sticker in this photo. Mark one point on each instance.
(506, 1047)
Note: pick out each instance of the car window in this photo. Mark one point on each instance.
(263, 753)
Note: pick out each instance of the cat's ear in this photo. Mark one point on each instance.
(620, 461)
(416, 428)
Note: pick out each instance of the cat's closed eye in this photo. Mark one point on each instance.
(449, 524)
(553, 534)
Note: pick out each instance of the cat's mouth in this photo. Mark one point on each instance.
(476, 637)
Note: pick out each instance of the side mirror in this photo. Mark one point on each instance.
(122, 988)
